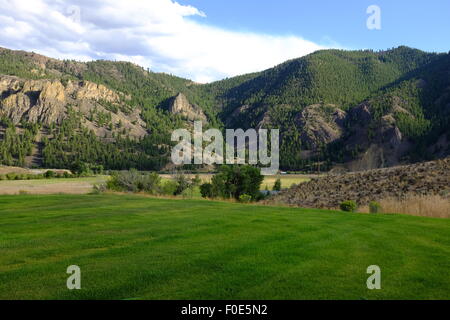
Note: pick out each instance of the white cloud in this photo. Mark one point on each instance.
(153, 33)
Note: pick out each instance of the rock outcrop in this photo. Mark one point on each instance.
(48, 102)
(181, 106)
(379, 143)
(320, 125)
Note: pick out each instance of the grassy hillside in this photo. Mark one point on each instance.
(131, 247)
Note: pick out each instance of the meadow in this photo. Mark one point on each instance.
(136, 247)
(286, 180)
(85, 184)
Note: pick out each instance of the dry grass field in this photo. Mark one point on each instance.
(51, 186)
(19, 170)
(423, 206)
(286, 180)
(84, 185)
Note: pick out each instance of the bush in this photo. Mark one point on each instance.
(134, 181)
(169, 187)
(206, 190)
(183, 183)
(277, 185)
(150, 183)
(98, 189)
(196, 181)
(81, 168)
(374, 207)
(49, 174)
(234, 181)
(245, 198)
(10, 176)
(349, 206)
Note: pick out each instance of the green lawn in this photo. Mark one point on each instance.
(133, 247)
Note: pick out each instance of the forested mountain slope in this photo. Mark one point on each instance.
(377, 108)
(106, 113)
(334, 108)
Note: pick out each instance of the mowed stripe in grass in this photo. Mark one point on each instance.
(134, 247)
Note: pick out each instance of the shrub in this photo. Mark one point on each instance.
(81, 168)
(206, 190)
(196, 181)
(348, 206)
(150, 183)
(134, 181)
(245, 198)
(188, 193)
(277, 185)
(49, 174)
(169, 187)
(183, 183)
(11, 176)
(98, 189)
(234, 181)
(374, 207)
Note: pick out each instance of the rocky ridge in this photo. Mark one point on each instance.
(48, 102)
(181, 106)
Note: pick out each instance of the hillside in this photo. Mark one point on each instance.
(423, 179)
(352, 110)
(63, 113)
(334, 106)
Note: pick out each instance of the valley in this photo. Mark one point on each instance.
(362, 127)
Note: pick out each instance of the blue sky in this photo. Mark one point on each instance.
(207, 40)
(420, 24)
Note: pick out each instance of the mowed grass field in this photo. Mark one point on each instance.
(135, 247)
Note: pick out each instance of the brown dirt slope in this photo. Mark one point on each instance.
(423, 179)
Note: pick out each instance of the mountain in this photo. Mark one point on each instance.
(362, 108)
(349, 110)
(62, 113)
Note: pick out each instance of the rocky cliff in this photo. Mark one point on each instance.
(320, 125)
(48, 102)
(181, 106)
(379, 142)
